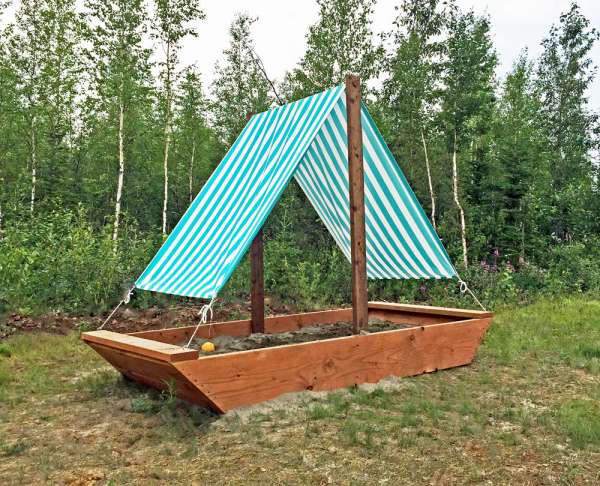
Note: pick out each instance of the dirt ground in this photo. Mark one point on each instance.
(527, 411)
(125, 320)
(227, 344)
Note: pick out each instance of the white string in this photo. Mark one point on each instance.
(124, 300)
(465, 288)
(204, 310)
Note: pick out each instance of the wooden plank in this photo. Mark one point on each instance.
(294, 322)
(357, 205)
(427, 309)
(175, 335)
(273, 324)
(411, 318)
(257, 291)
(237, 379)
(154, 373)
(144, 347)
(401, 313)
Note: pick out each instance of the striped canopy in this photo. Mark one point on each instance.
(306, 139)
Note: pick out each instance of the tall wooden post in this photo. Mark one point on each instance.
(360, 310)
(257, 291)
(257, 279)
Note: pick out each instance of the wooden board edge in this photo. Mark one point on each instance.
(350, 337)
(239, 379)
(428, 309)
(135, 372)
(140, 346)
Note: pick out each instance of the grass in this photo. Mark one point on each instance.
(527, 411)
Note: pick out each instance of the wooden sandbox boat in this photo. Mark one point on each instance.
(439, 338)
(227, 217)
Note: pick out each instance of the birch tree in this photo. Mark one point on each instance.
(516, 189)
(10, 126)
(171, 24)
(63, 69)
(467, 97)
(43, 44)
(191, 124)
(565, 74)
(410, 94)
(26, 40)
(120, 68)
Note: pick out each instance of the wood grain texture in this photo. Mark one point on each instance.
(145, 347)
(356, 176)
(227, 381)
(237, 379)
(257, 284)
(411, 318)
(175, 335)
(429, 309)
(400, 313)
(154, 373)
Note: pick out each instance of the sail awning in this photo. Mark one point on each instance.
(306, 139)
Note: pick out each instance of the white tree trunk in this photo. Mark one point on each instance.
(120, 177)
(431, 193)
(166, 174)
(192, 170)
(167, 132)
(463, 227)
(33, 165)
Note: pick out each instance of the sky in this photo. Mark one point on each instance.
(280, 32)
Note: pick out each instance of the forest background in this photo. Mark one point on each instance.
(106, 136)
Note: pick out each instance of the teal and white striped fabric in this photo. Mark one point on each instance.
(306, 139)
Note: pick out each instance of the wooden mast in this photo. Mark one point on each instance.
(360, 311)
(257, 292)
(257, 280)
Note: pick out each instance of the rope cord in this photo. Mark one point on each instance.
(464, 288)
(204, 311)
(124, 300)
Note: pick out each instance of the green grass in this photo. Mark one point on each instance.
(525, 412)
(13, 449)
(565, 330)
(580, 421)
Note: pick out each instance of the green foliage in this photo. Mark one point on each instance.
(565, 73)
(240, 88)
(4, 351)
(61, 262)
(13, 449)
(144, 404)
(95, 103)
(341, 41)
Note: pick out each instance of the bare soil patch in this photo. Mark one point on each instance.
(228, 344)
(129, 319)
